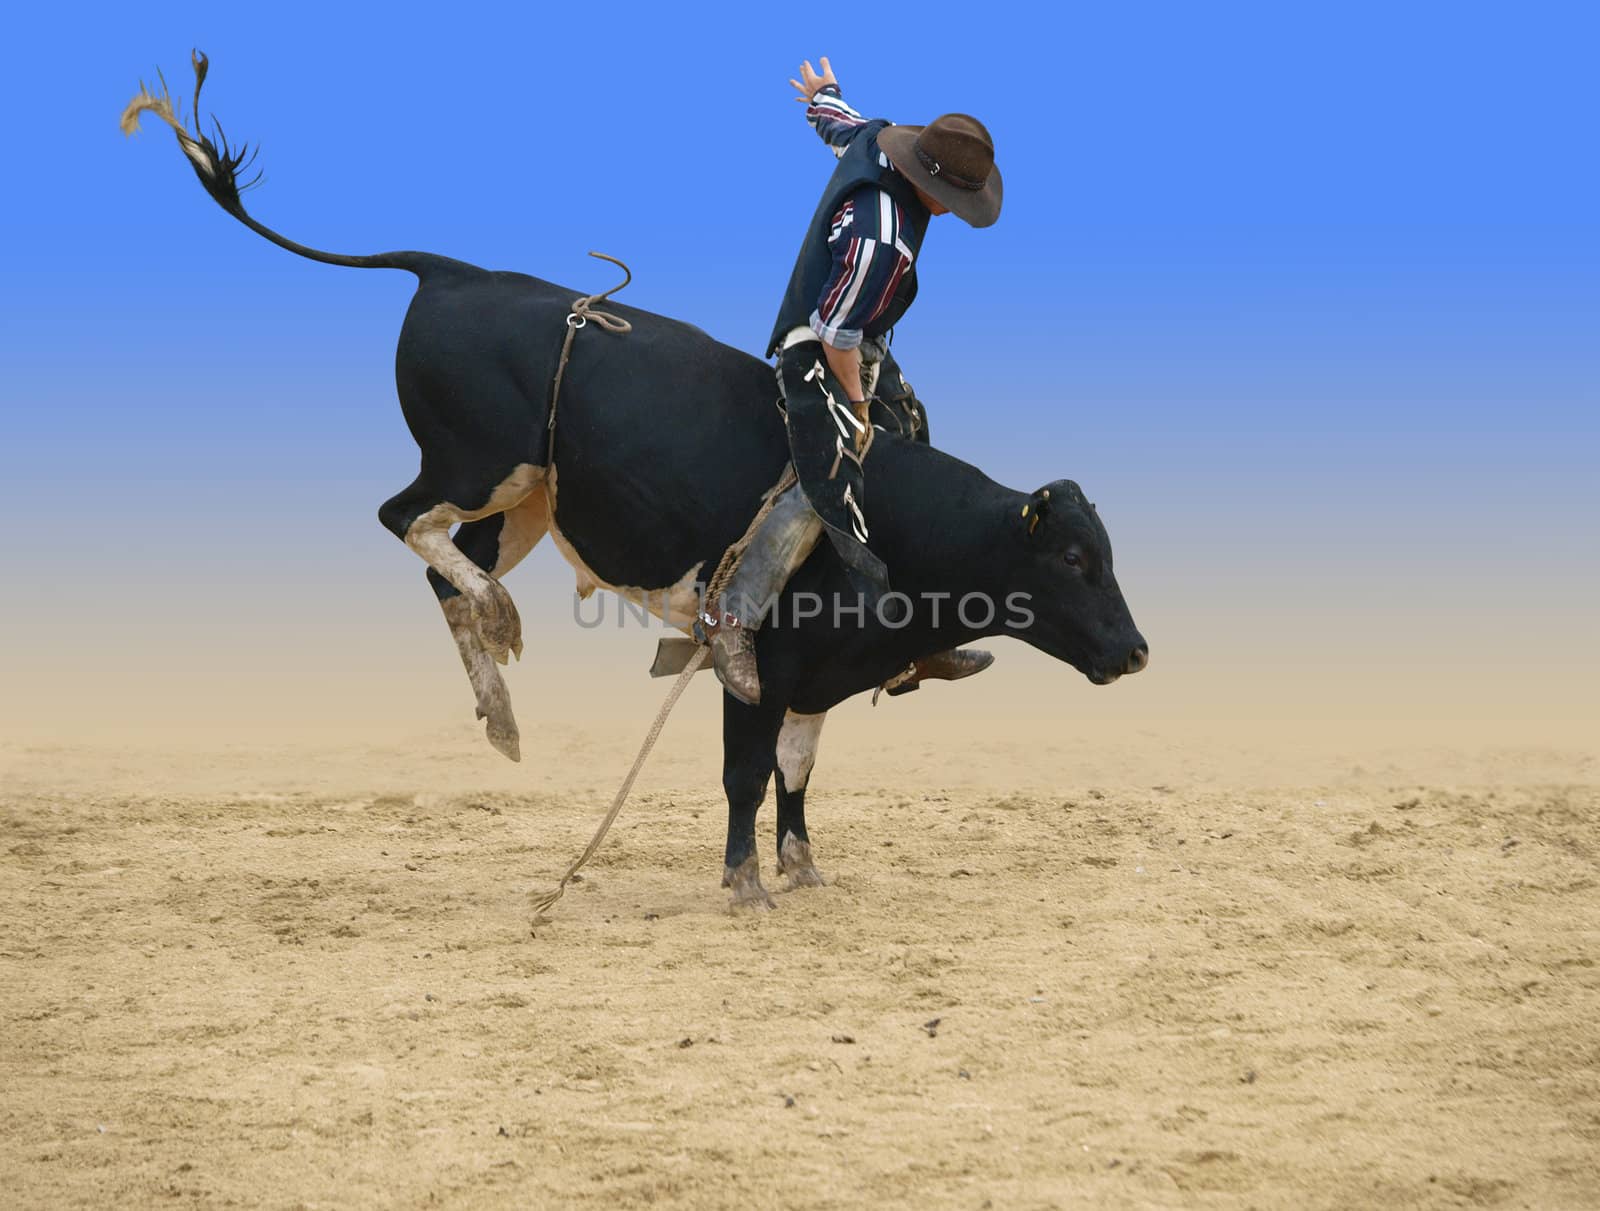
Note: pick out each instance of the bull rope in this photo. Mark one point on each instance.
(582, 312)
(726, 567)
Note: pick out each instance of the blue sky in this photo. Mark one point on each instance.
(1303, 295)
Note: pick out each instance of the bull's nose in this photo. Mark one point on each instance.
(1137, 659)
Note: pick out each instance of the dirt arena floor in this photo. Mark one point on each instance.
(1166, 975)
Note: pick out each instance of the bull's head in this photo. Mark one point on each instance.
(1064, 567)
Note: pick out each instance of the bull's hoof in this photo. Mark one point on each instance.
(751, 903)
(494, 704)
(499, 626)
(505, 737)
(744, 881)
(796, 865)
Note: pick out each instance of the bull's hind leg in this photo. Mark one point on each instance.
(495, 544)
(422, 520)
(796, 754)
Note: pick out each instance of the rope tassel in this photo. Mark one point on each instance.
(544, 903)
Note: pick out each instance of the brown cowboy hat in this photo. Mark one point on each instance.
(952, 161)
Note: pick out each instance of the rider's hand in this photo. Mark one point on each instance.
(810, 82)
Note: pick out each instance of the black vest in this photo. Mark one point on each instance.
(857, 167)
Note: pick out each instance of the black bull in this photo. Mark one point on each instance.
(667, 441)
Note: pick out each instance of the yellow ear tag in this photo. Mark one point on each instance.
(1024, 510)
(1034, 524)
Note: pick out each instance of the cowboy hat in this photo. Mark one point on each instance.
(952, 161)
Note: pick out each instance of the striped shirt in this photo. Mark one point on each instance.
(869, 255)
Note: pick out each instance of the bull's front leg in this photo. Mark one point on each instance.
(749, 734)
(797, 753)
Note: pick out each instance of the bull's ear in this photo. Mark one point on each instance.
(1034, 511)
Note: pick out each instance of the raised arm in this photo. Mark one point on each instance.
(834, 120)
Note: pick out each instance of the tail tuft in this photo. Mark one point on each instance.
(218, 165)
(215, 162)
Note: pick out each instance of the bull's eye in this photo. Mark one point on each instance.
(1074, 560)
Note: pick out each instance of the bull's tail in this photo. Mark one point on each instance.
(218, 166)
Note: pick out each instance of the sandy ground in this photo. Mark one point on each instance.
(1146, 972)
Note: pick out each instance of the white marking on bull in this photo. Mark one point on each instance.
(677, 605)
(521, 531)
(494, 615)
(797, 748)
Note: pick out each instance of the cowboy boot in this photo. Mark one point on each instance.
(944, 666)
(779, 546)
